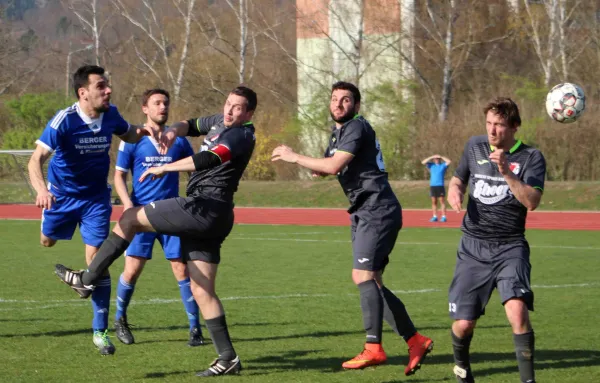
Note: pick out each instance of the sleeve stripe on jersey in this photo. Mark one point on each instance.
(58, 119)
(44, 145)
(343, 151)
(539, 188)
(122, 169)
(223, 152)
(122, 146)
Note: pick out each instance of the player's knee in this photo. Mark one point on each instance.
(463, 327)
(360, 276)
(201, 294)
(47, 242)
(179, 270)
(129, 219)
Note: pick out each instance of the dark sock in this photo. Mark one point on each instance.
(395, 315)
(217, 328)
(111, 249)
(371, 304)
(525, 348)
(461, 350)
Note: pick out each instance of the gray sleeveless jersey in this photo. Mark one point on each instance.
(493, 213)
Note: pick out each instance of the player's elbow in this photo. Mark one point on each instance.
(333, 169)
(532, 206)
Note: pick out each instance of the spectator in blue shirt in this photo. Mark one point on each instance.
(437, 166)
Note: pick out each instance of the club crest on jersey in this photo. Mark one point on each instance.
(515, 167)
(212, 139)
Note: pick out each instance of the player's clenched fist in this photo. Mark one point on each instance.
(499, 158)
(44, 199)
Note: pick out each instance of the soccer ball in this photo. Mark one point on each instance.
(565, 103)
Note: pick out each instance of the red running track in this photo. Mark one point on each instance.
(338, 217)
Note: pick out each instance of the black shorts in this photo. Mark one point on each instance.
(374, 234)
(482, 266)
(437, 191)
(202, 225)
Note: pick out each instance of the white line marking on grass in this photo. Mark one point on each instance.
(163, 301)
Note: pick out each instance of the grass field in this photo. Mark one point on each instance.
(328, 193)
(293, 312)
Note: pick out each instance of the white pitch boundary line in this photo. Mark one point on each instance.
(162, 301)
(243, 237)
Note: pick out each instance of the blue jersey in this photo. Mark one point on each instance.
(437, 173)
(81, 145)
(144, 154)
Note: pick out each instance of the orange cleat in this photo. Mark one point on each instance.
(418, 347)
(372, 355)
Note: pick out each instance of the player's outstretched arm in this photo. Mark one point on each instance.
(199, 161)
(456, 193)
(135, 133)
(44, 198)
(329, 165)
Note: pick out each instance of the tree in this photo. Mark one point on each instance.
(150, 23)
(92, 23)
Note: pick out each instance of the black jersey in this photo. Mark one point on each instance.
(493, 212)
(364, 180)
(233, 145)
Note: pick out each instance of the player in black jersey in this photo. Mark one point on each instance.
(202, 220)
(355, 156)
(505, 179)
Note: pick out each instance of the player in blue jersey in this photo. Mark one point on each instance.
(137, 158)
(437, 166)
(77, 192)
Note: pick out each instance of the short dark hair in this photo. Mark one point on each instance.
(347, 86)
(81, 77)
(151, 92)
(248, 94)
(505, 108)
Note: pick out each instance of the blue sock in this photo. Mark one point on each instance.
(124, 294)
(101, 304)
(191, 307)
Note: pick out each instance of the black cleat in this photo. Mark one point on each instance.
(73, 279)
(222, 367)
(463, 375)
(123, 331)
(196, 338)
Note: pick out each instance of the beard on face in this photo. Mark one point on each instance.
(161, 119)
(344, 118)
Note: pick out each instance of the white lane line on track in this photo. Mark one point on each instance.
(257, 238)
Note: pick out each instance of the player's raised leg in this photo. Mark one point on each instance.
(132, 221)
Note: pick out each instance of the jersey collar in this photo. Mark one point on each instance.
(512, 150)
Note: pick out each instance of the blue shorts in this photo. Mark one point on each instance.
(142, 244)
(92, 216)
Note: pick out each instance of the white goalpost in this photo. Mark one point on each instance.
(15, 186)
